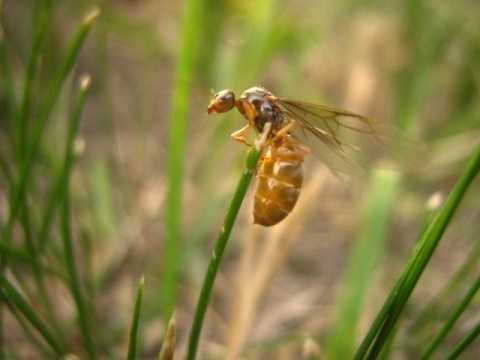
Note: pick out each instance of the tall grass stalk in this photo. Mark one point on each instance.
(184, 74)
(215, 260)
(75, 283)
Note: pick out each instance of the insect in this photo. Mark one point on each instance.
(288, 130)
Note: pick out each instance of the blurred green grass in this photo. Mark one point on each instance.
(72, 256)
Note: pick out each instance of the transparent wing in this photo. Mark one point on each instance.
(345, 141)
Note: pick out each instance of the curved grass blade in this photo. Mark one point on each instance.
(391, 310)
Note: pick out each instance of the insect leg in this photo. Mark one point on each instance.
(238, 135)
(261, 139)
(284, 130)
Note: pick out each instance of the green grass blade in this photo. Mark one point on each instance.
(365, 254)
(229, 221)
(376, 325)
(462, 305)
(62, 73)
(440, 304)
(184, 74)
(467, 340)
(395, 303)
(132, 344)
(42, 14)
(6, 73)
(70, 259)
(53, 92)
(10, 294)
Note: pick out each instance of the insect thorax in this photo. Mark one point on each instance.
(259, 108)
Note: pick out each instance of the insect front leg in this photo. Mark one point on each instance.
(238, 135)
(261, 139)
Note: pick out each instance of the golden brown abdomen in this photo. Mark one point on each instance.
(279, 182)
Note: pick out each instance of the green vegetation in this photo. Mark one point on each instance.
(114, 183)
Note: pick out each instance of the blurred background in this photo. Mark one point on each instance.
(280, 292)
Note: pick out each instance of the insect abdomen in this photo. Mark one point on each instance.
(279, 182)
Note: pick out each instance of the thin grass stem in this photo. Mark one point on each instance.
(451, 321)
(437, 306)
(132, 344)
(70, 258)
(10, 294)
(229, 221)
(467, 340)
(8, 84)
(40, 23)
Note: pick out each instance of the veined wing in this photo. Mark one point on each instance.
(343, 140)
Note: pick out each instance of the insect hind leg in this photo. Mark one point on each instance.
(284, 130)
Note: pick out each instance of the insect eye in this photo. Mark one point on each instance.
(224, 96)
(222, 102)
